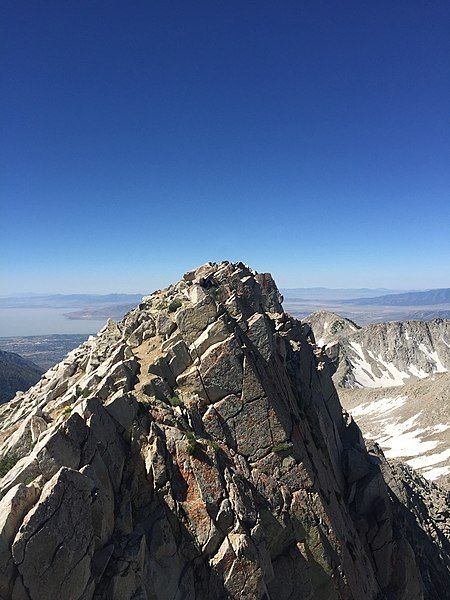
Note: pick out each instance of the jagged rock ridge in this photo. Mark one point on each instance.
(381, 354)
(198, 449)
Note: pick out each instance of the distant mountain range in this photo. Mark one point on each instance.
(356, 296)
(365, 305)
(370, 306)
(323, 293)
(68, 300)
(107, 311)
(427, 298)
(16, 373)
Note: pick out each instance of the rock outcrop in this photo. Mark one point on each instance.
(198, 449)
(329, 327)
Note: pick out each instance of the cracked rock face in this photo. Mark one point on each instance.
(198, 449)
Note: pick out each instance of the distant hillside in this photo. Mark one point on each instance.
(323, 293)
(328, 326)
(411, 423)
(381, 354)
(16, 373)
(68, 300)
(394, 379)
(109, 311)
(43, 350)
(427, 298)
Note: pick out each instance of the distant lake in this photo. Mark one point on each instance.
(43, 321)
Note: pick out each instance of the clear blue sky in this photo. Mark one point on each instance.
(308, 138)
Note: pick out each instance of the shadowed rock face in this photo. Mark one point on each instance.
(393, 378)
(198, 449)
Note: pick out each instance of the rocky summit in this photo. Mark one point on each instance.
(198, 450)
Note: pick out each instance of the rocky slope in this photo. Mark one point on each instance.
(411, 423)
(198, 449)
(16, 373)
(382, 354)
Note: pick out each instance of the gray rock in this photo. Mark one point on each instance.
(213, 461)
(192, 321)
(164, 326)
(54, 546)
(13, 508)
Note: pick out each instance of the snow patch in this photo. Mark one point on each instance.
(363, 371)
(433, 474)
(408, 443)
(381, 406)
(428, 461)
(420, 373)
(440, 428)
(433, 356)
(395, 374)
(358, 349)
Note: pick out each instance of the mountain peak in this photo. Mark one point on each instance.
(198, 449)
(329, 326)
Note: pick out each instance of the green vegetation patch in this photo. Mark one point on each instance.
(174, 305)
(7, 463)
(284, 447)
(175, 401)
(192, 444)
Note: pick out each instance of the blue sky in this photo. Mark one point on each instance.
(140, 139)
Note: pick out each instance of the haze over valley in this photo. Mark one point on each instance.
(39, 314)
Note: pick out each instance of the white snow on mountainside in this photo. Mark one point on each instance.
(393, 378)
(381, 354)
(411, 423)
